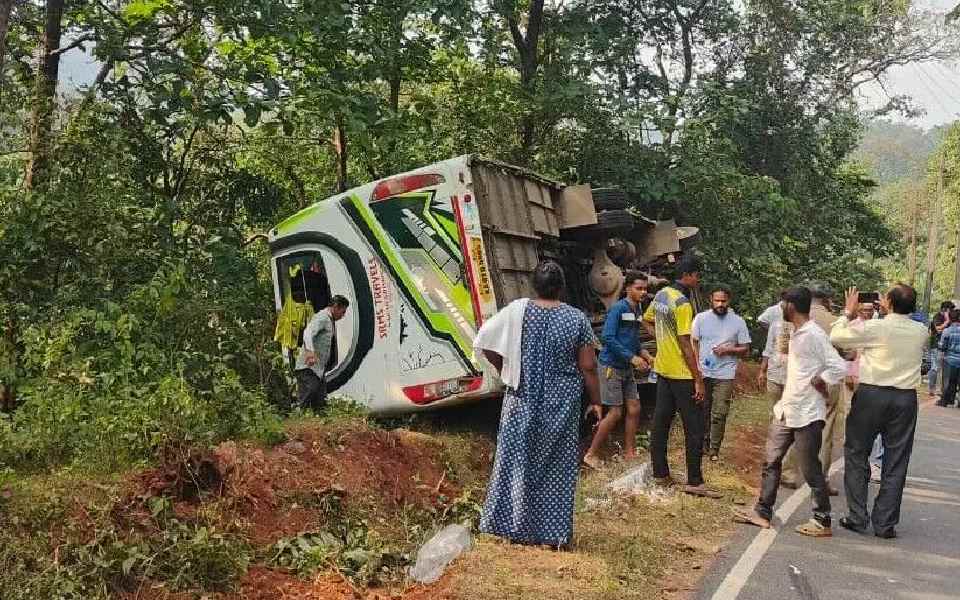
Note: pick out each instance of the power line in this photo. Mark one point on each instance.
(949, 78)
(928, 84)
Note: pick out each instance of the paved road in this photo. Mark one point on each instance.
(922, 564)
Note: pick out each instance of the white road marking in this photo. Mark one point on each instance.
(738, 576)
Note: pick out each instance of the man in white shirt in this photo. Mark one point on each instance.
(771, 315)
(885, 403)
(821, 314)
(318, 342)
(773, 365)
(720, 339)
(812, 366)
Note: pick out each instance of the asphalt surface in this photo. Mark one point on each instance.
(923, 563)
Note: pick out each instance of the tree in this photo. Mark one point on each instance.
(6, 8)
(45, 91)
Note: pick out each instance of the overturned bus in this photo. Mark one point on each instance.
(426, 256)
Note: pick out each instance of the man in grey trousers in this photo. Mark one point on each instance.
(885, 403)
(798, 418)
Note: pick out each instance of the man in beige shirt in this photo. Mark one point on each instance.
(885, 403)
(820, 313)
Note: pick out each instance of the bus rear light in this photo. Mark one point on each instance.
(408, 183)
(431, 392)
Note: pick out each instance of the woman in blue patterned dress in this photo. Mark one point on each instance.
(530, 497)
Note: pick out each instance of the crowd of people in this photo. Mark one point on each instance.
(849, 381)
(945, 355)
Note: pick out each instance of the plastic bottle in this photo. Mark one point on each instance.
(434, 556)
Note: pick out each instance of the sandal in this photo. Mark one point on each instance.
(812, 528)
(702, 491)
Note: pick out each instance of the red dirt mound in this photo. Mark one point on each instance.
(748, 444)
(746, 381)
(275, 493)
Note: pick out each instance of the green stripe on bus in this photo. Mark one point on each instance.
(440, 322)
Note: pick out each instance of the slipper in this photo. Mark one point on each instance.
(702, 491)
(665, 482)
(749, 517)
(813, 529)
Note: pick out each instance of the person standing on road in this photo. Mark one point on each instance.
(821, 314)
(812, 366)
(949, 347)
(773, 363)
(891, 351)
(531, 490)
(938, 324)
(318, 341)
(679, 381)
(720, 339)
(850, 383)
(621, 354)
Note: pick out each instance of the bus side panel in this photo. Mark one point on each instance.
(517, 212)
(403, 352)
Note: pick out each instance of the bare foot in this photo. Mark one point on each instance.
(750, 517)
(592, 461)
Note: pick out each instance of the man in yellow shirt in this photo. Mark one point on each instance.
(679, 381)
(891, 350)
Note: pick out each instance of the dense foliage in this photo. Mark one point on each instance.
(135, 316)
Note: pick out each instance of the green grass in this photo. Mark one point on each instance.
(623, 547)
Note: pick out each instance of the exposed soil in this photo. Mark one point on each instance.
(746, 381)
(262, 583)
(269, 584)
(270, 494)
(747, 453)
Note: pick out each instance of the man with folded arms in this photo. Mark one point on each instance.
(890, 350)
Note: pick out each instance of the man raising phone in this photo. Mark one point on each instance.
(891, 350)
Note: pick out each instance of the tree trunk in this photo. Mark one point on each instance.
(340, 151)
(527, 45)
(933, 242)
(912, 256)
(45, 93)
(395, 80)
(395, 76)
(8, 360)
(6, 8)
(956, 274)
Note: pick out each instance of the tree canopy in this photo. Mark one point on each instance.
(128, 296)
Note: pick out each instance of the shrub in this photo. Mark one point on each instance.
(112, 385)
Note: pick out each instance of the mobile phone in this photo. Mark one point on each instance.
(868, 297)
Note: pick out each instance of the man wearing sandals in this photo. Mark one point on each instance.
(813, 365)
